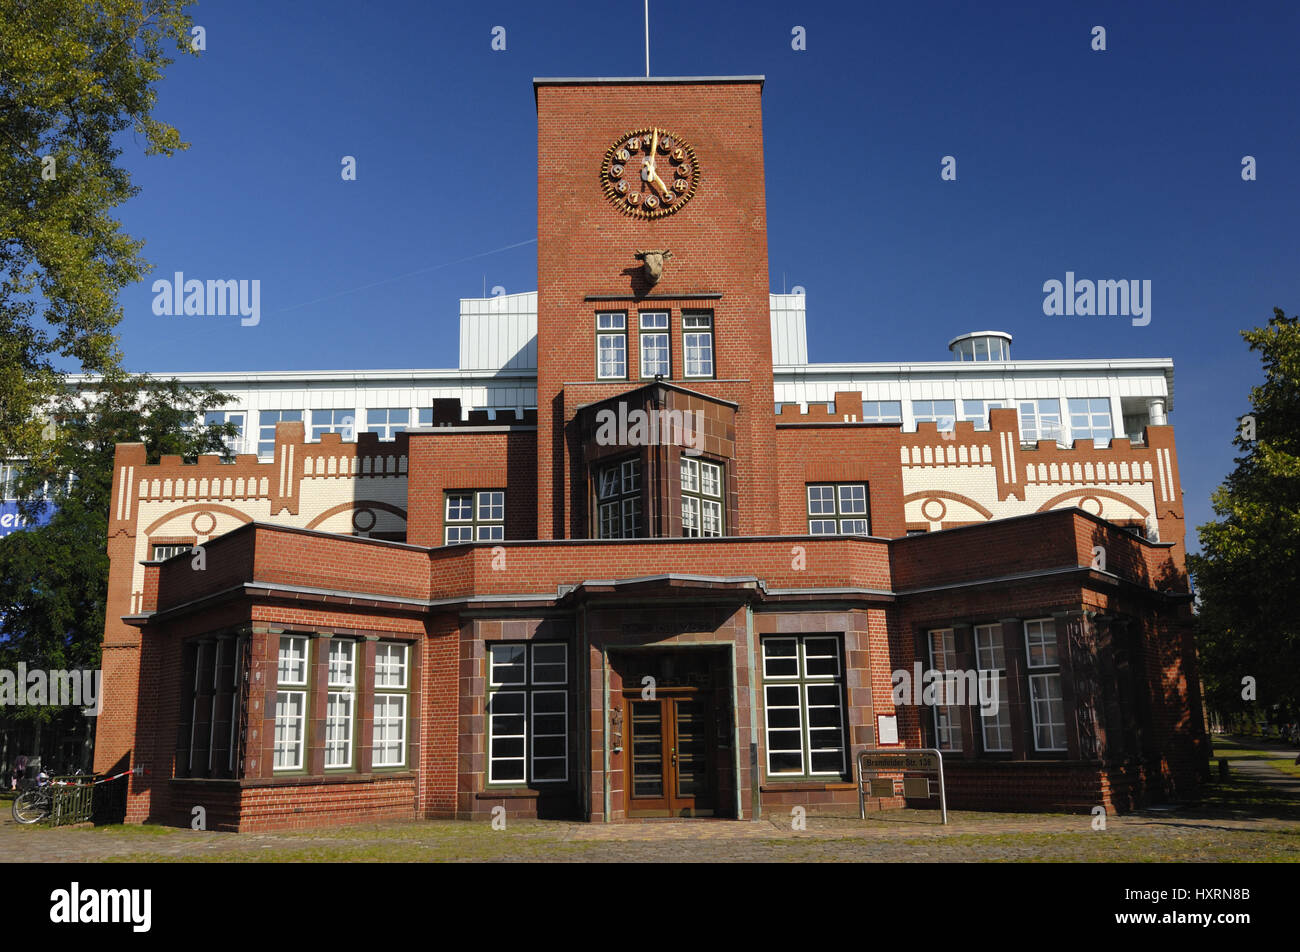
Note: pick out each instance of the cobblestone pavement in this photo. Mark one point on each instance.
(904, 837)
(1231, 831)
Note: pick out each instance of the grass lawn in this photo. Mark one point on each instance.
(1254, 748)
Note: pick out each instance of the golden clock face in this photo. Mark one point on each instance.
(650, 173)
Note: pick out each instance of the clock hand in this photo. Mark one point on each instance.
(664, 187)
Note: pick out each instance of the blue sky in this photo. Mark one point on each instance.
(1117, 164)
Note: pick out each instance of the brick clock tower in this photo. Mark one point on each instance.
(636, 176)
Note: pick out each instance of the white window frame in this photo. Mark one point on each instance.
(1036, 425)
(986, 661)
(345, 425)
(874, 411)
(1101, 433)
(802, 680)
(611, 328)
(927, 411)
(391, 675)
(528, 687)
(266, 428)
(287, 663)
(1041, 675)
(947, 717)
(705, 509)
(390, 426)
(697, 344)
(656, 326)
(342, 677)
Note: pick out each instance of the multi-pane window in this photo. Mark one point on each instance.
(220, 417)
(654, 344)
(697, 342)
(528, 715)
(837, 509)
(1090, 419)
(1045, 699)
(803, 701)
(978, 411)
(947, 718)
(208, 734)
(618, 500)
(389, 422)
(391, 695)
(291, 703)
(611, 346)
(267, 420)
(163, 552)
(340, 704)
(942, 412)
(882, 411)
(475, 516)
(701, 498)
(1040, 420)
(991, 662)
(333, 421)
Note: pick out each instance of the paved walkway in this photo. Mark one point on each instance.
(1224, 832)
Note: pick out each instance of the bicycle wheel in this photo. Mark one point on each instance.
(30, 807)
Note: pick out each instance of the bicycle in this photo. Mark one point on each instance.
(35, 803)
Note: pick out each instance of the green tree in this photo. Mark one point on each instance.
(1248, 573)
(54, 577)
(73, 74)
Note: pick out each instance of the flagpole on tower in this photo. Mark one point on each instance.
(647, 39)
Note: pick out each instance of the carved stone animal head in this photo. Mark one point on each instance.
(653, 263)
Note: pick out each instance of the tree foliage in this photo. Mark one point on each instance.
(73, 74)
(1248, 573)
(54, 577)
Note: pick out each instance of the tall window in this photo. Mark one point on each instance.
(947, 718)
(697, 342)
(333, 421)
(291, 703)
(218, 417)
(837, 509)
(389, 422)
(978, 411)
(1090, 419)
(528, 718)
(701, 498)
(267, 420)
(991, 662)
(340, 705)
(391, 693)
(803, 700)
(475, 516)
(611, 346)
(1040, 420)
(654, 344)
(208, 737)
(1045, 699)
(618, 500)
(942, 412)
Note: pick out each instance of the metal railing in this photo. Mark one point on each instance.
(914, 760)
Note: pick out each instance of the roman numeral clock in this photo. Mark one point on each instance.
(650, 173)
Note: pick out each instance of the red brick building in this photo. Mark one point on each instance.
(652, 595)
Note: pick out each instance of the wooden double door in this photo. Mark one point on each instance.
(670, 754)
